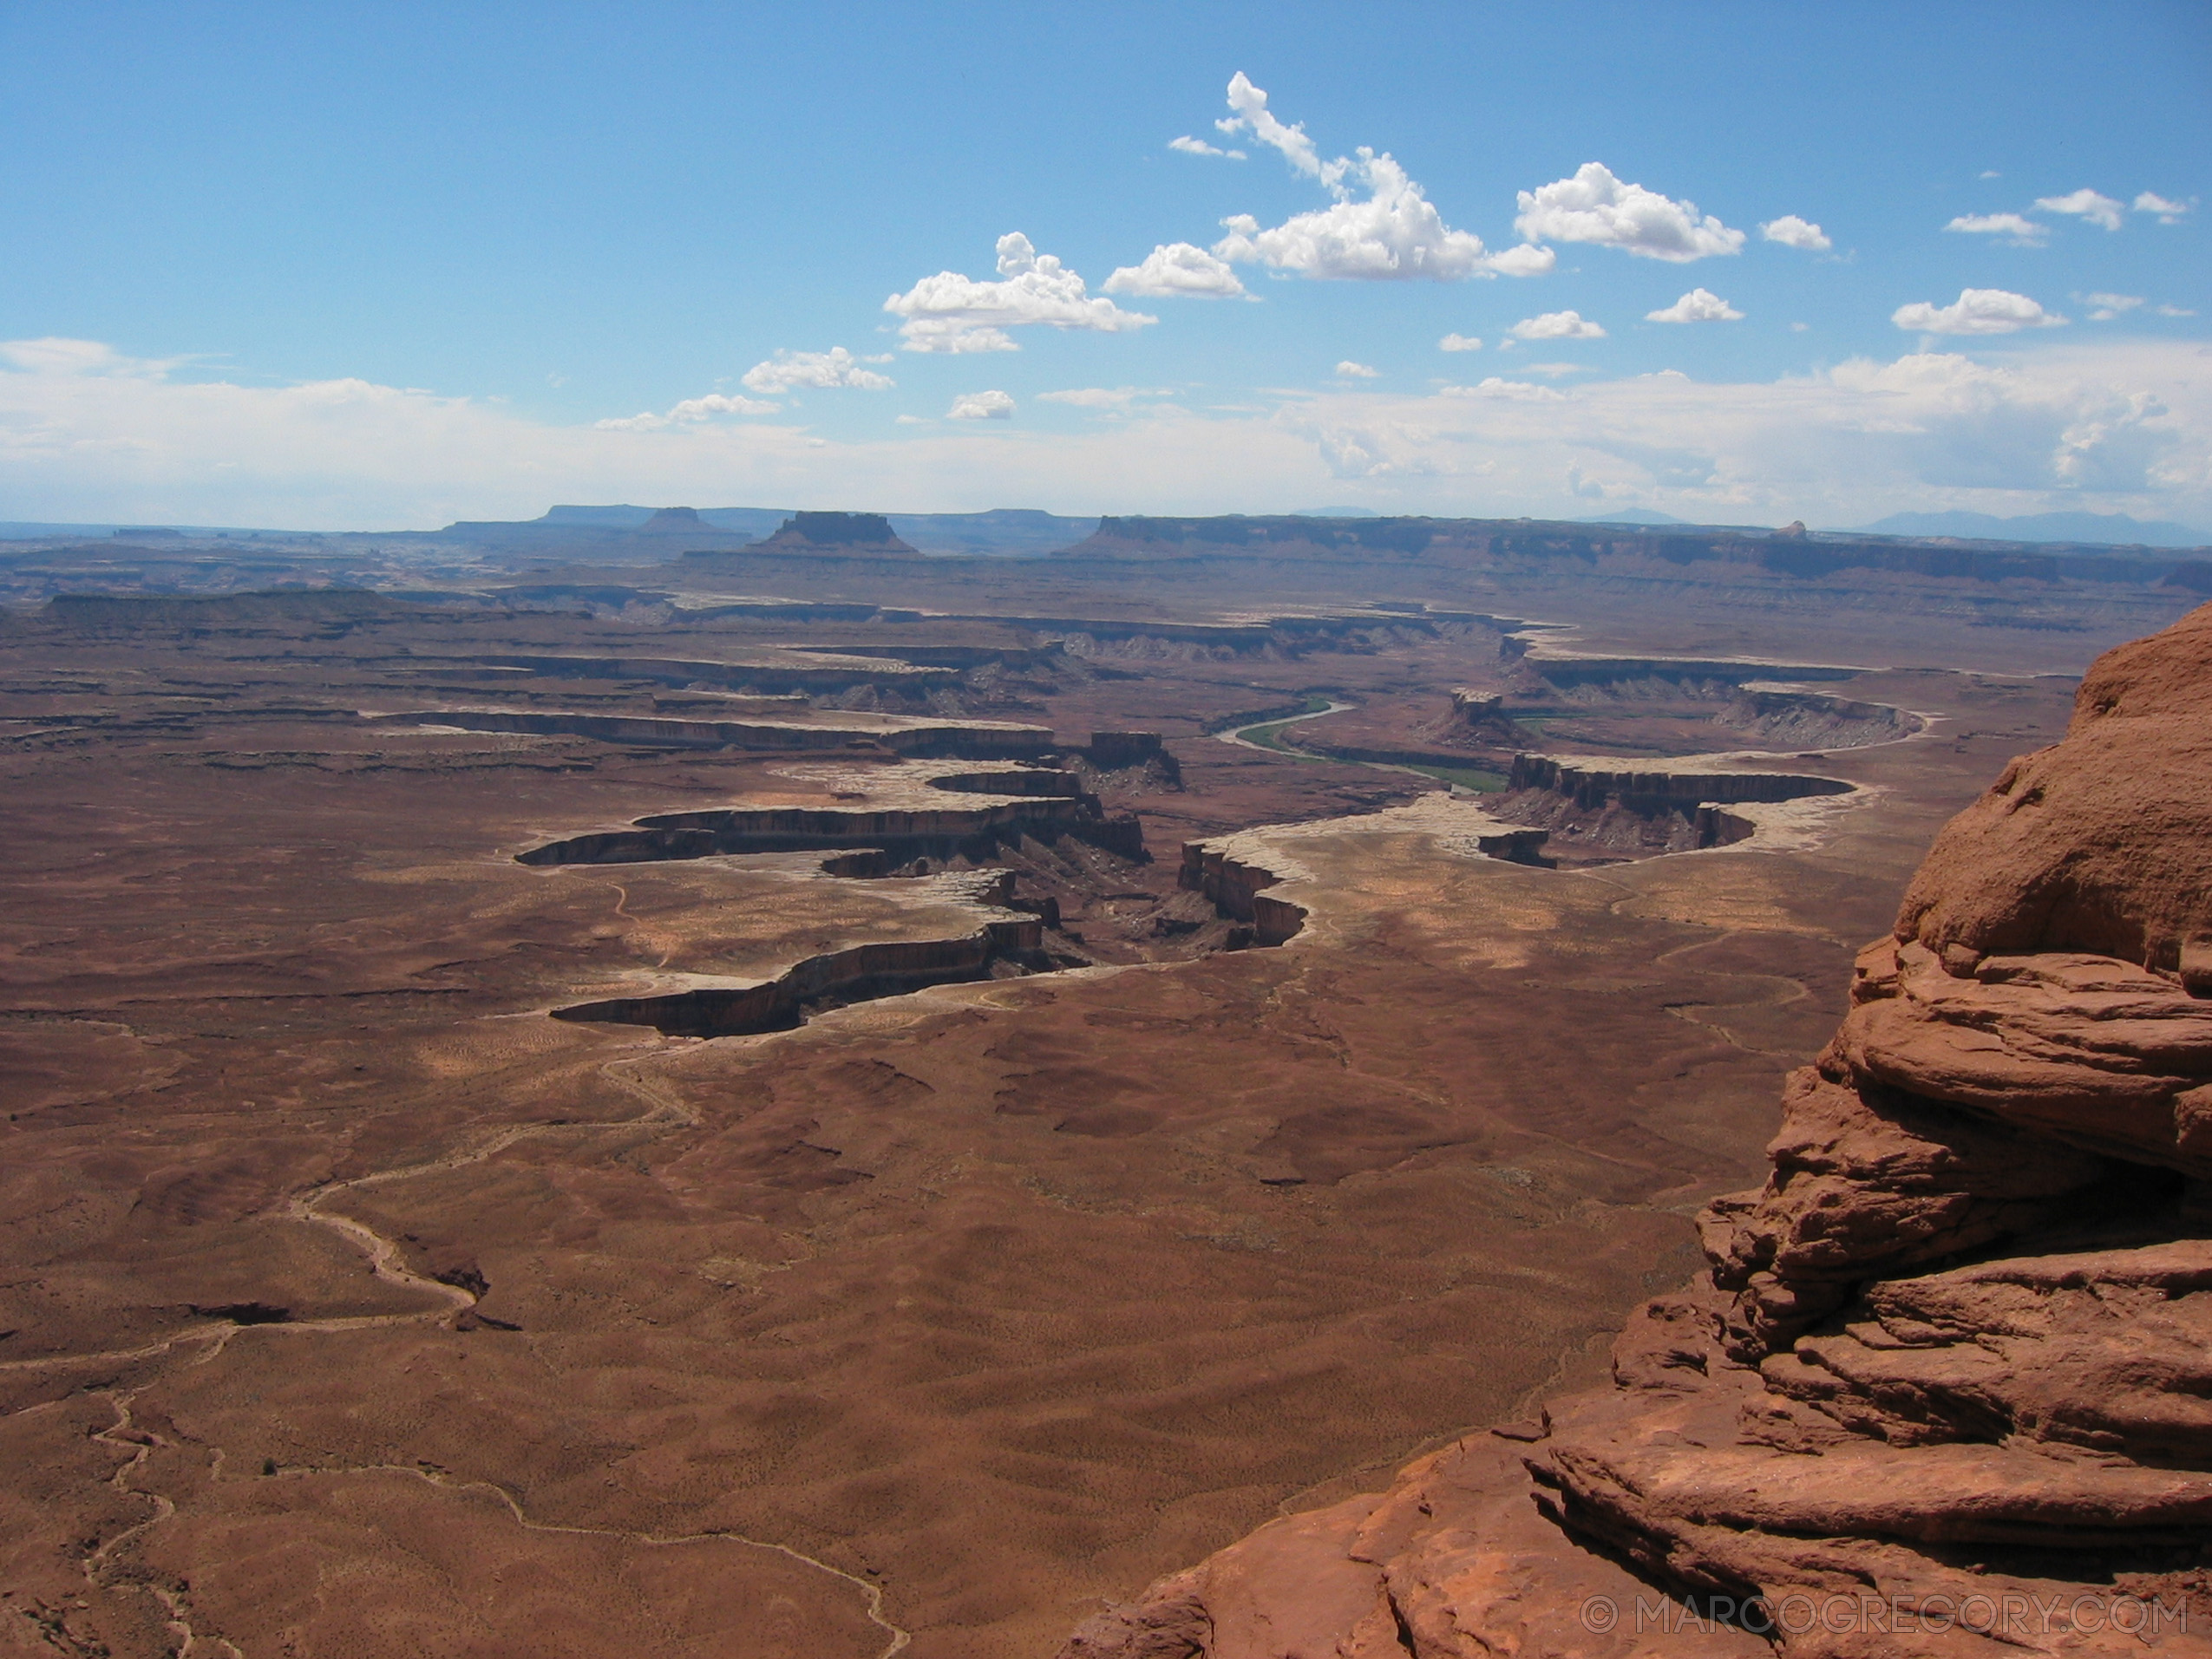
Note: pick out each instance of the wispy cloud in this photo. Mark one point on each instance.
(1190, 146)
(1459, 343)
(2021, 233)
(1350, 370)
(2169, 212)
(55, 355)
(2119, 422)
(1103, 397)
(1525, 391)
(2084, 204)
(691, 410)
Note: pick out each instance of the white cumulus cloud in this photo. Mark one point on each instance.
(2084, 204)
(2110, 306)
(1596, 207)
(1351, 371)
(1794, 233)
(1977, 310)
(815, 370)
(1459, 343)
(951, 312)
(1394, 232)
(1524, 259)
(2169, 212)
(1698, 305)
(1190, 146)
(1176, 269)
(1254, 116)
(1557, 325)
(691, 410)
(2021, 233)
(1390, 231)
(981, 406)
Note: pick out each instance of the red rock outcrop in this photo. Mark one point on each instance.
(1946, 1387)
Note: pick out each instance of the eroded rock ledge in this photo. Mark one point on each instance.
(1946, 1387)
(906, 812)
(1004, 943)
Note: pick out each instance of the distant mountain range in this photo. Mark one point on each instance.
(1634, 515)
(1003, 530)
(2111, 529)
(2103, 529)
(1020, 530)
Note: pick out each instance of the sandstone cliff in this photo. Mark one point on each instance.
(1946, 1387)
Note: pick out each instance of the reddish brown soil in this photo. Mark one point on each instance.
(1938, 1386)
(995, 1300)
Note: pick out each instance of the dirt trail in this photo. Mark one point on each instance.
(663, 1110)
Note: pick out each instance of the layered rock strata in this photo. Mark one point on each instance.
(1946, 1387)
(1235, 884)
(1588, 783)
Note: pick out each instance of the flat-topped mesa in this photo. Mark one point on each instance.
(1943, 1387)
(865, 535)
(676, 521)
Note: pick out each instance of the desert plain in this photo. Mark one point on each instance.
(795, 1099)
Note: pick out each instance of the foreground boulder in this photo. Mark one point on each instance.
(1946, 1387)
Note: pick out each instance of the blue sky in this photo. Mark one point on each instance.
(381, 265)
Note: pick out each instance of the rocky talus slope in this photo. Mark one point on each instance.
(1945, 1386)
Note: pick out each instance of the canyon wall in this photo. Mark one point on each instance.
(1944, 1386)
(1235, 888)
(858, 973)
(1648, 791)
